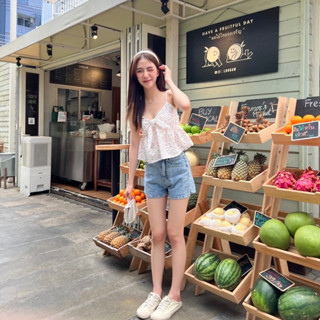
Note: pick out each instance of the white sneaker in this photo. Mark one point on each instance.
(150, 304)
(166, 309)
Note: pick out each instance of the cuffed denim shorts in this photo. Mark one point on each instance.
(169, 177)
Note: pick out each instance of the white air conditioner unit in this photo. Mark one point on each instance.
(35, 165)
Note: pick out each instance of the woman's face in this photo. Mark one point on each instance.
(146, 73)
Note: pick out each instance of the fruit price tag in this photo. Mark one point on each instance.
(196, 120)
(245, 264)
(303, 131)
(276, 279)
(260, 219)
(228, 160)
(235, 205)
(234, 132)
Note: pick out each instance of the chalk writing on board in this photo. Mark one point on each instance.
(310, 105)
(234, 132)
(268, 106)
(304, 131)
(276, 279)
(211, 113)
(260, 219)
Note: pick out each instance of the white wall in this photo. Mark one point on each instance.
(4, 104)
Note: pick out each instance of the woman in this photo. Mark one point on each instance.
(157, 138)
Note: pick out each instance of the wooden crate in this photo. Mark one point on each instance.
(119, 207)
(242, 239)
(203, 137)
(280, 137)
(291, 254)
(145, 256)
(252, 137)
(249, 186)
(125, 169)
(198, 171)
(302, 196)
(236, 295)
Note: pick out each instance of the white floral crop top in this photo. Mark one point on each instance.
(162, 137)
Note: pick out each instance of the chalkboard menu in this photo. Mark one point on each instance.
(211, 113)
(310, 105)
(267, 105)
(276, 279)
(234, 132)
(83, 76)
(303, 131)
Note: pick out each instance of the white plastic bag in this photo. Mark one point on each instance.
(130, 212)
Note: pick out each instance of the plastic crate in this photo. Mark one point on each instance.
(7, 161)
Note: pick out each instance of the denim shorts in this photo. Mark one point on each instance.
(169, 177)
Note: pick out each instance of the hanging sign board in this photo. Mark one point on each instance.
(235, 205)
(223, 161)
(304, 131)
(268, 106)
(234, 132)
(260, 219)
(196, 120)
(276, 279)
(243, 46)
(310, 105)
(245, 264)
(211, 113)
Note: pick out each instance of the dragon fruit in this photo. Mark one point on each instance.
(309, 174)
(284, 180)
(304, 184)
(316, 187)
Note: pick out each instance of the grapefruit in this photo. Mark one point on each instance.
(295, 220)
(307, 241)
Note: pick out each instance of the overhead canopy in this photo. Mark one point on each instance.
(70, 33)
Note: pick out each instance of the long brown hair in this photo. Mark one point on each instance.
(136, 98)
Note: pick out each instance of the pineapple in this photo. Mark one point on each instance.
(109, 237)
(240, 171)
(225, 172)
(119, 241)
(242, 155)
(254, 166)
(102, 234)
(211, 171)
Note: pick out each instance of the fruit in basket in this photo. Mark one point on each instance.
(304, 184)
(309, 173)
(224, 172)
(211, 170)
(265, 296)
(205, 266)
(192, 202)
(145, 244)
(284, 180)
(119, 241)
(109, 237)
(299, 303)
(192, 157)
(316, 187)
(255, 166)
(307, 241)
(295, 220)
(240, 171)
(195, 129)
(102, 234)
(246, 221)
(308, 118)
(228, 274)
(295, 119)
(275, 234)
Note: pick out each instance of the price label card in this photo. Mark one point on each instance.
(245, 264)
(260, 219)
(234, 132)
(304, 131)
(276, 279)
(228, 160)
(235, 205)
(196, 120)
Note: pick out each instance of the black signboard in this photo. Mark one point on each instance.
(267, 105)
(196, 120)
(211, 113)
(260, 219)
(234, 132)
(239, 47)
(83, 76)
(235, 205)
(304, 131)
(227, 160)
(245, 264)
(310, 105)
(32, 103)
(276, 279)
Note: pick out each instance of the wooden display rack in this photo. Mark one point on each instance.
(264, 253)
(217, 239)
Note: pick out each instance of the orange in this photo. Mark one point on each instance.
(117, 197)
(138, 198)
(317, 117)
(122, 191)
(143, 195)
(308, 117)
(296, 119)
(288, 128)
(137, 192)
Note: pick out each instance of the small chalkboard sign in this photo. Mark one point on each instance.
(234, 132)
(310, 105)
(227, 160)
(196, 120)
(304, 131)
(235, 205)
(211, 113)
(267, 105)
(245, 264)
(260, 219)
(276, 279)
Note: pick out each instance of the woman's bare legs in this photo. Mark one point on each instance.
(177, 214)
(157, 218)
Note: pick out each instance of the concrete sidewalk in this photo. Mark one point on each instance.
(51, 269)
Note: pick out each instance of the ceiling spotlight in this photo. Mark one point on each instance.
(49, 49)
(164, 6)
(94, 32)
(18, 62)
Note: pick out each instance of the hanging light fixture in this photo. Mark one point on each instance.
(94, 32)
(164, 6)
(18, 61)
(49, 50)
(118, 73)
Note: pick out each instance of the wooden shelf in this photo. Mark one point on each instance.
(279, 137)
(125, 169)
(202, 137)
(119, 207)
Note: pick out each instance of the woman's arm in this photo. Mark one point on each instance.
(179, 99)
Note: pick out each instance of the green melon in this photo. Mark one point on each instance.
(299, 303)
(307, 241)
(295, 220)
(265, 296)
(228, 274)
(275, 234)
(205, 266)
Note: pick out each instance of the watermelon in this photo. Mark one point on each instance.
(307, 241)
(228, 274)
(265, 296)
(299, 303)
(205, 266)
(295, 220)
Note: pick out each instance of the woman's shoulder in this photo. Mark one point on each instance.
(170, 97)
